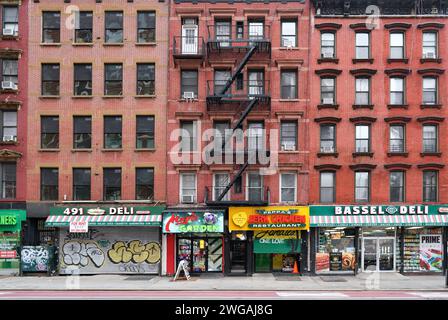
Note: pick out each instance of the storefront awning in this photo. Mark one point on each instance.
(384, 221)
(109, 220)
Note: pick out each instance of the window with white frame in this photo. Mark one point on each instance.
(188, 136)
(362, 45)
(10, 71)
(9, 125)
(362, 186)
(220, 182)
(429, 90)
(362, 88)
(10, 20)
(255, 136)
(188, 187)
(327, 45)
(288, 187)
(397, 45)
(397, 91)
(254, 186)
(429, 45)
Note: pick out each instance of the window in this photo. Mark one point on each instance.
(430, 138)
(221, 78)
(112, 132)
(10, 70)
(188, 136)
(288, 135)
(255, 136)
(223, 32)
(396, 138)
(396, 181)
(187, 187)
(51, 27)
(240, 29)
(144, 183)
(429, 45)
(289, 84)
(114, 27)
(397, 45)
(397, 91)
(288, 183)
(83, 79)
(49, 184)
(82, 132)
(362, 45)
(8, 125)
(84, 27)
(430, 186)
(220, 182)
(362, 138)
(8, 187)
(112, 184)
(327, 45)
(362, 186)
(362, 95)
(256, 30)
(81, 184)
(146, 31)
(189, 83)
(429, 90)
(256, 82)
(222, 134)
(327, 187)
(49, 132)
(113, 82)
(10, 20)
(254, 186)
(327, 138)
(50, 79)
(146, 79)
(145, 132)
(327, 90)
(289, 33)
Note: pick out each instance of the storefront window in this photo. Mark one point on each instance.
(336, 249)
(203, 253)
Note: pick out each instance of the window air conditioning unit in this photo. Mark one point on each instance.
(327, 55)
(9, 138)
(9, 85)
(9, 32)
(287, 44)
(430, 55)
(434, 10)
(288, 147)
(188, 95)
(188, 199)
(327, 100)
(327, 149)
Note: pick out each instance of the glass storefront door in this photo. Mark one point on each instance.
(238, 253)
(378, 254)
(204, 254)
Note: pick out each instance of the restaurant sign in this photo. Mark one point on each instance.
(277, 241)
(201, 221)
(265, 218)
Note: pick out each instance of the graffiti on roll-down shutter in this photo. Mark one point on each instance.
(106, 250)
(34, 258)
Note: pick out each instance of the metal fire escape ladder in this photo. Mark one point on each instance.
(238, 174)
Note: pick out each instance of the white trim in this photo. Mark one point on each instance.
(280, 186)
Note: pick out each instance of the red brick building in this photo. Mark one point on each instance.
(238, 65)
(97, 90)
(378, 126)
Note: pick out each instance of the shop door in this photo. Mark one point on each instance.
(378, 254)
(199, 263)
(189, 39)
(238, 253)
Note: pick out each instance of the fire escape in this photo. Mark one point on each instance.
(235, 94)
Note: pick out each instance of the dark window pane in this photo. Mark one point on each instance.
(83, 79)
(49, 132)
(51, 27)
(50, 79)
(145, 132)
(113, 79)
(189, 82)
(112, 184)
(145, 79)
(112, 132)
(144, 183)
(82, 132)
(81, 184)
(8, 180)
(49, 183)
(114, 27)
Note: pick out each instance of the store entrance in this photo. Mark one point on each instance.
(378, 254)
(204, 254)
(238, 253)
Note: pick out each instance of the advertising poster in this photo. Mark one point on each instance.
(335, 261)
(431, 255)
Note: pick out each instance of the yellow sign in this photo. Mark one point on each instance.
(269, 218)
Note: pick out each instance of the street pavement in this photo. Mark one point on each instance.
(257, 282)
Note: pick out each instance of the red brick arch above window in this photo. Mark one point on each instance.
(328, 167)
(430, 119)
(430, 25)
(328, 72)
(431, 166)
(362, 166)
(328, 26)
(397, 72)
(398, 26)
(363, 72)
(363, 119)
(358, 27)
(327, 120)
(431, 72)
(398, 119)
(395, 166)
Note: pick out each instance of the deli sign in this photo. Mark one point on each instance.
(85, 211)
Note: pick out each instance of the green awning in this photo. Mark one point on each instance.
(107, 220)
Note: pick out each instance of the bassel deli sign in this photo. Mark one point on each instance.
(253, 218)
(388, 210)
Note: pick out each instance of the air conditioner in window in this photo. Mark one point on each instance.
(9, 85)
(9, 32)
(327, 55)
(429, 55)
(362, 150)
(188, 95)
(188, 199)
(9, 138)
(327, 100)
(287, 43)
(327, 149)
(288, 147)
(434, 10)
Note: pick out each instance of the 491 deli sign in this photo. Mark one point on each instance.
(104, 211)
(387, 210)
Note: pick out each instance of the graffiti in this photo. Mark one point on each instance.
(134, 251)
(132, 268)
(79, 253)
(90, 235)
(34, 258)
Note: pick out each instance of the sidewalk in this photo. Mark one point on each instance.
(258, 282)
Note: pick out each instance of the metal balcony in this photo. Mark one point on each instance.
(238, 37)
(244, 197)
(188, 47)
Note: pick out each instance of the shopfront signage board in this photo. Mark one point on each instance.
(104, 211)
(277, 241)
(200, 221)
(378, 210)
(268, 218)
